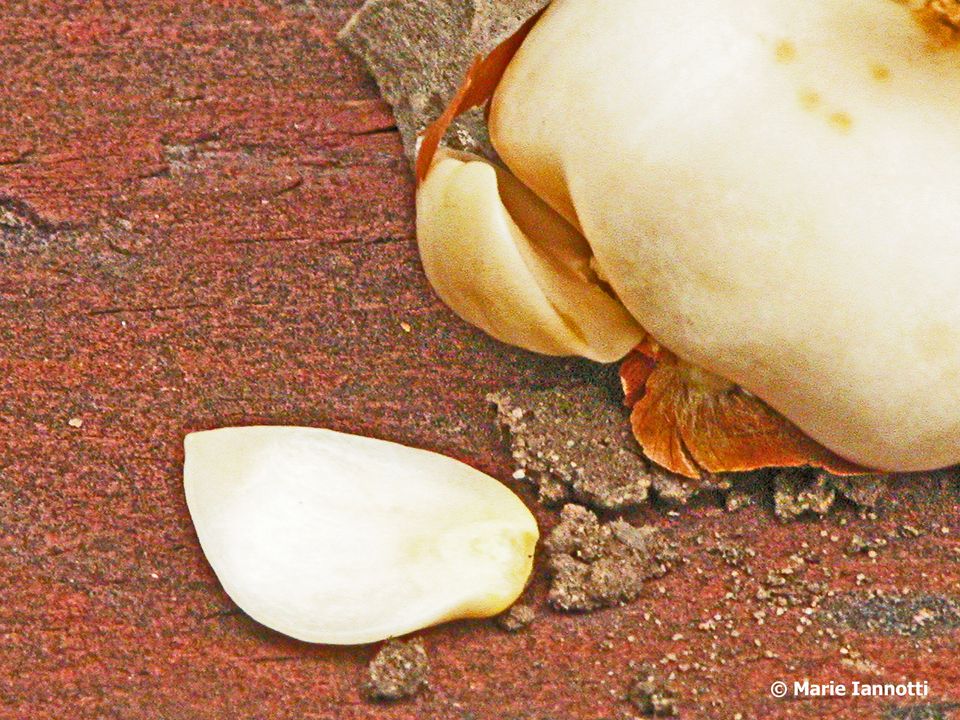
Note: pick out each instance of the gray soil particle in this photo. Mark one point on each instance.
(596, 565)
(866, 546)
(863, 490)
(398, 671)
(737, 500)
(652, 698)
(926, 711)
(796, 492)
(516, 618)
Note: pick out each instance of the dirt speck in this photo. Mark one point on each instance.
(516, 618)
(651, 697)
(796, 492)
(398, 671)
(864, 490)
(596, 565)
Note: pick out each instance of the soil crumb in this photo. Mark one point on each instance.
(863, 490)
(595, 565)
(516, 618)
(574, 443)
(796, 492)
(398, 671)
(651, 697)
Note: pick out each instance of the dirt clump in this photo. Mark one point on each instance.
(400, 670)
(651, 697)
(419, 53)
(574, 443)
(517, 618)
(596, 565)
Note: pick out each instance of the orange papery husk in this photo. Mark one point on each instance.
(696, 424)
(478, 87)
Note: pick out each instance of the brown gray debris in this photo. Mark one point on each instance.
(923, 711)
(419, 51)
(596, 565)
(798, 491)
(516, 618)
(737, 500)
(863, 490)
(575, 443)
(398, 671)
(651, 697)
(914, 615)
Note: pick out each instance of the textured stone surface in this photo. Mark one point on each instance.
(206, 219)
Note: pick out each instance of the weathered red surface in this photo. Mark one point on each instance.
(215, 227)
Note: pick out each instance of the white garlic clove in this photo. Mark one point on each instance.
(504, 261)
(341, 539)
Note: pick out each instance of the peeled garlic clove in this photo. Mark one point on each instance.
(506, 262)
(340, 539)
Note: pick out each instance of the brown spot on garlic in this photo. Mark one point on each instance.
(880, 72)
(841, 121)
(785, 51)
(809, 99)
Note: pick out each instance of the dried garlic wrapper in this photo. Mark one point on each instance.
(340, 539)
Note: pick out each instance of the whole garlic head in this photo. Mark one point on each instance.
(770, 189)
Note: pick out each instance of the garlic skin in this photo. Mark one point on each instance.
(770, 188)
(340, 539)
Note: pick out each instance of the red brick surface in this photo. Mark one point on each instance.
(208, 221)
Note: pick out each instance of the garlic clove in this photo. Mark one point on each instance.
(506, 262)
(340, 539)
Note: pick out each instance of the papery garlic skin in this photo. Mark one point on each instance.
(340, 539)
(772, 190)
(507, 263)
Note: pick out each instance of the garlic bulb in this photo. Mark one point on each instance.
(770, 190)
(340, 539)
